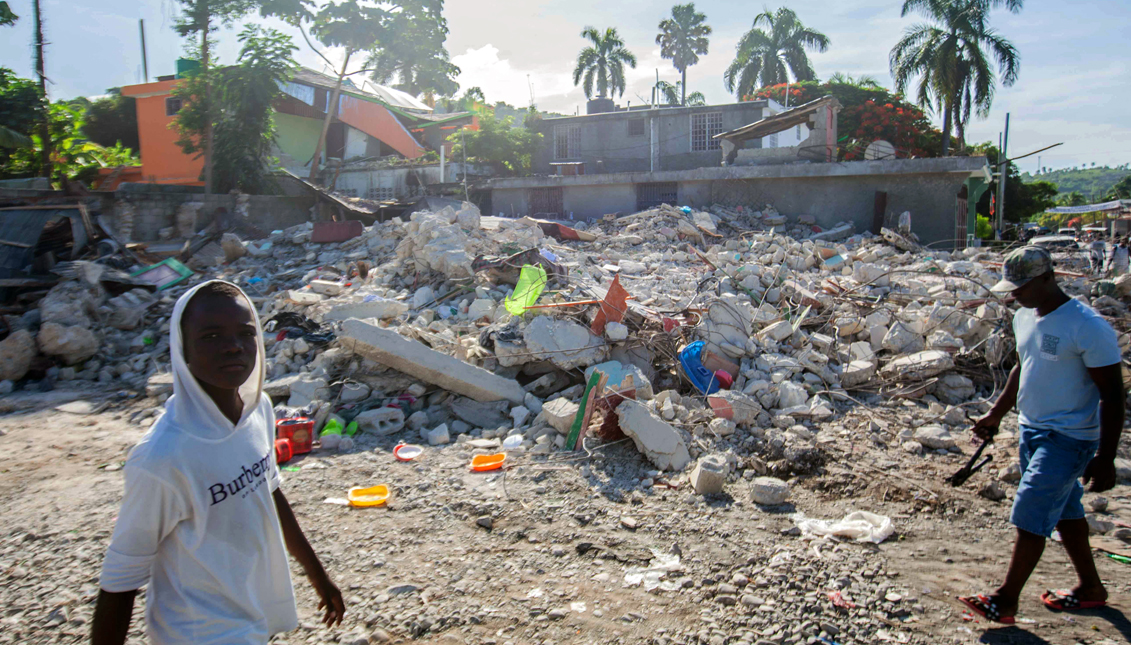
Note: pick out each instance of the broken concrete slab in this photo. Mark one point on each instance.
(857, 373)
(277, 388)
(660, 443)
(308, 389)
(935, 437)
(411, 357)
(564, 343)
(380, 308)
(740, 408)
(709, 475)
(489, 415)
(919, 366)
(73, 344)
(16, 353)
(618, 374)
(769, 491)
(560, 414)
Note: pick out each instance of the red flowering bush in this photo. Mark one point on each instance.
(867, 114)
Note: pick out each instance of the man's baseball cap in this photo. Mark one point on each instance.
(1021, 266)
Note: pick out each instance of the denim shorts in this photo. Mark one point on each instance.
(1050, 490)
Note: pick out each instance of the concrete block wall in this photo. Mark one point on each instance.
(156, 207)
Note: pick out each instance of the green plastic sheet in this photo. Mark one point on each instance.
(531, 283)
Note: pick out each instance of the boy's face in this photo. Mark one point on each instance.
(220, 340)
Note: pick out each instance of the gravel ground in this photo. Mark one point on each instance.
(539, 553)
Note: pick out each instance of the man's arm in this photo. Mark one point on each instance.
(987, 426)
(300, 549)
(112, 616)
(1101, 470)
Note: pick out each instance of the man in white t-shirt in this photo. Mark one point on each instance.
(203, 521)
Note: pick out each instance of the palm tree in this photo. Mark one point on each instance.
(675, 94)
(604, 62)
(949, 56)
(682, 38)
(864, 81)
(763, 57)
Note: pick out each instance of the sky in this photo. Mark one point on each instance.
(1073, 87)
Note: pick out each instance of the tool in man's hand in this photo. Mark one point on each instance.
(959, 478)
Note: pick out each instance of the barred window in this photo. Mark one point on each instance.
(381, 194)
(636, 127)
(704, 126)
(567, 141)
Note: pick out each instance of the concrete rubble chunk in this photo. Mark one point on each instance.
(308, 389)
(791, 395)
(380, 308)
(381, 421)
(744, 409)
(73, 344)
(954, 389)
(935, 437)
(326, 287)
(560, 414)
(439, 436)
(232, 246)
(488, 415)
(857, 373)
(709, 475)
(618, 374)
(162, 383)
(564, 343)
(769, 491)
(778, 331)
(128, 310)
(16, 353)
(901, 339)
(659, 442)
(919, 366)
(390, 348)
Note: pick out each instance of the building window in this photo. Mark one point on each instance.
(173, 105)
(546, 201)
(704, 126)
(348, 192)
(653, 194)
(567, 141)
(772, 140)
(636, 127)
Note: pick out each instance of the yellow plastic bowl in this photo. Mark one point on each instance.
(372, 496)
(488, 462)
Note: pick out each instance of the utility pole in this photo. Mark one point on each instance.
(144, 56)
(1002, 174)
(45, 108)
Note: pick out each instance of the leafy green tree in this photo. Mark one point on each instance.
(951, 56)
(73, 156)
(507, 149)
(202, 17)
(1073, 198)
(20, 106)
(7, 18)
(675, 94)
(112, 119)
(767, 57)
(1022, 200)
(1121, 189)
(682, 38)
(415, 59)
(864, 80)
(242, 96)
(603, 62)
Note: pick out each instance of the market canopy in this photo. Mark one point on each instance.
(1086, 208)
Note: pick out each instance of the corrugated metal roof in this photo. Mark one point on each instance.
(388, 95)
(20, 230)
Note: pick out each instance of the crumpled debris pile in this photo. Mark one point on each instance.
(732, 342)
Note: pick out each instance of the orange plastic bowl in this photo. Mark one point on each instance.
(482, 463)
(372, 496)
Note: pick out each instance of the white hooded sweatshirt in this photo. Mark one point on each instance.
(198, 519)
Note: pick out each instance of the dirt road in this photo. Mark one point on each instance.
(551, 568)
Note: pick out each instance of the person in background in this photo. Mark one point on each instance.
(1068, 388)
(1119, 258)
(1097, 251)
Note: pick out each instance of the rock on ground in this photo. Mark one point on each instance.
(16, 352)
(660, 443)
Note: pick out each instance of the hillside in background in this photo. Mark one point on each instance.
(1092, 183)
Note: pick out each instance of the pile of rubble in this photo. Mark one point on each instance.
(410, 329)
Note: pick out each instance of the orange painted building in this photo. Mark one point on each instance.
(162, 161)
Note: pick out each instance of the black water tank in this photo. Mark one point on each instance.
(599, 106)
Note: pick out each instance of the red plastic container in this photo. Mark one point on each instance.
(300, 432)
(283, 451)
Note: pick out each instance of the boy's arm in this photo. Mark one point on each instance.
(112, 617)
(300, 549)
(1101, 470)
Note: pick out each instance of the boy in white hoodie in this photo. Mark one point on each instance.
(203, 521)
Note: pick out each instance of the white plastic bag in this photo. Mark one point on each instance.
(861, 526)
